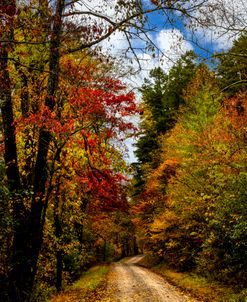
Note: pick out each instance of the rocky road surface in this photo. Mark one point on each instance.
(128, 282)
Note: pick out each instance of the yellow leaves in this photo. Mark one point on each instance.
(70, 247)
(159, 225)
(161, 175)
(172, 244)
(203, 75)
(165, 167)
(166, 220)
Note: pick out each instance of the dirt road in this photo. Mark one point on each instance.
(130, 283)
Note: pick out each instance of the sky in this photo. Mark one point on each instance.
(173, 40)
(175, 37)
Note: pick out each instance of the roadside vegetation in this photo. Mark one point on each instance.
(189, 190)
(86, 287)
(200, 287)
(68, 199)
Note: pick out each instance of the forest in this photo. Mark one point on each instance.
(189, 190)
(68, 198)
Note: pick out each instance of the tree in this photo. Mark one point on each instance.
(80, 154)
(29, 216)
(162, 97)
(199, 221)
(53, 34)
(231, 70)
(163, 206)
(187, 186)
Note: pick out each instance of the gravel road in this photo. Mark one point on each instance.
(128, 282)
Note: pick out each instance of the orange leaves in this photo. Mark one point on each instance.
(227, 134)
(166, 169)
(236, 110)
(155, 2)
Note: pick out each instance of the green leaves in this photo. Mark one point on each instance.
(232, 69)
(193, 210)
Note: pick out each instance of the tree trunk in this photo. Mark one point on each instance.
(105, 250)
(59, 271)
(40, 176)
(10, 153)
(38, 208)
(58, 233)
(18, 255)
(28, 229)
(136, 249)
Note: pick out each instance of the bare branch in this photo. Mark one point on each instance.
(126, 22)
(24, 42)
(233, 54)
(234, 84)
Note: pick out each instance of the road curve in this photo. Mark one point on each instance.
(128, 282)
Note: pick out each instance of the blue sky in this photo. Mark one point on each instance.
(175, 39)
(164, 37)
(206, 42)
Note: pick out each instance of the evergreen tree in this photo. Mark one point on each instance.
(162, 96)
(232, 68)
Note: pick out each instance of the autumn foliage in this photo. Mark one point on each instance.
(190, 209)
(64, 164)
(65, 197)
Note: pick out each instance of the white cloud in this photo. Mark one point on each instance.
(115, 44)
(172, 44)
(219, 22)
(212, 39)
(172, 41)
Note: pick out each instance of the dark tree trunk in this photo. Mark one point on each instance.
(10, 154)
(58, 233)
(105, 250)
(59, 253)
(38, 207)
(136, 249)
(18, 255)
(59, 271)
(28, 229)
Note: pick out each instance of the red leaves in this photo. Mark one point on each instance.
(9, 9)
(105, 188)
(88, 113)
(155, 2)
(48, 120)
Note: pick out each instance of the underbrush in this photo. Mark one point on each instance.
(200, 287)
(85, 288)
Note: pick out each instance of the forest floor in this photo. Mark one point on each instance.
(128, 282)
